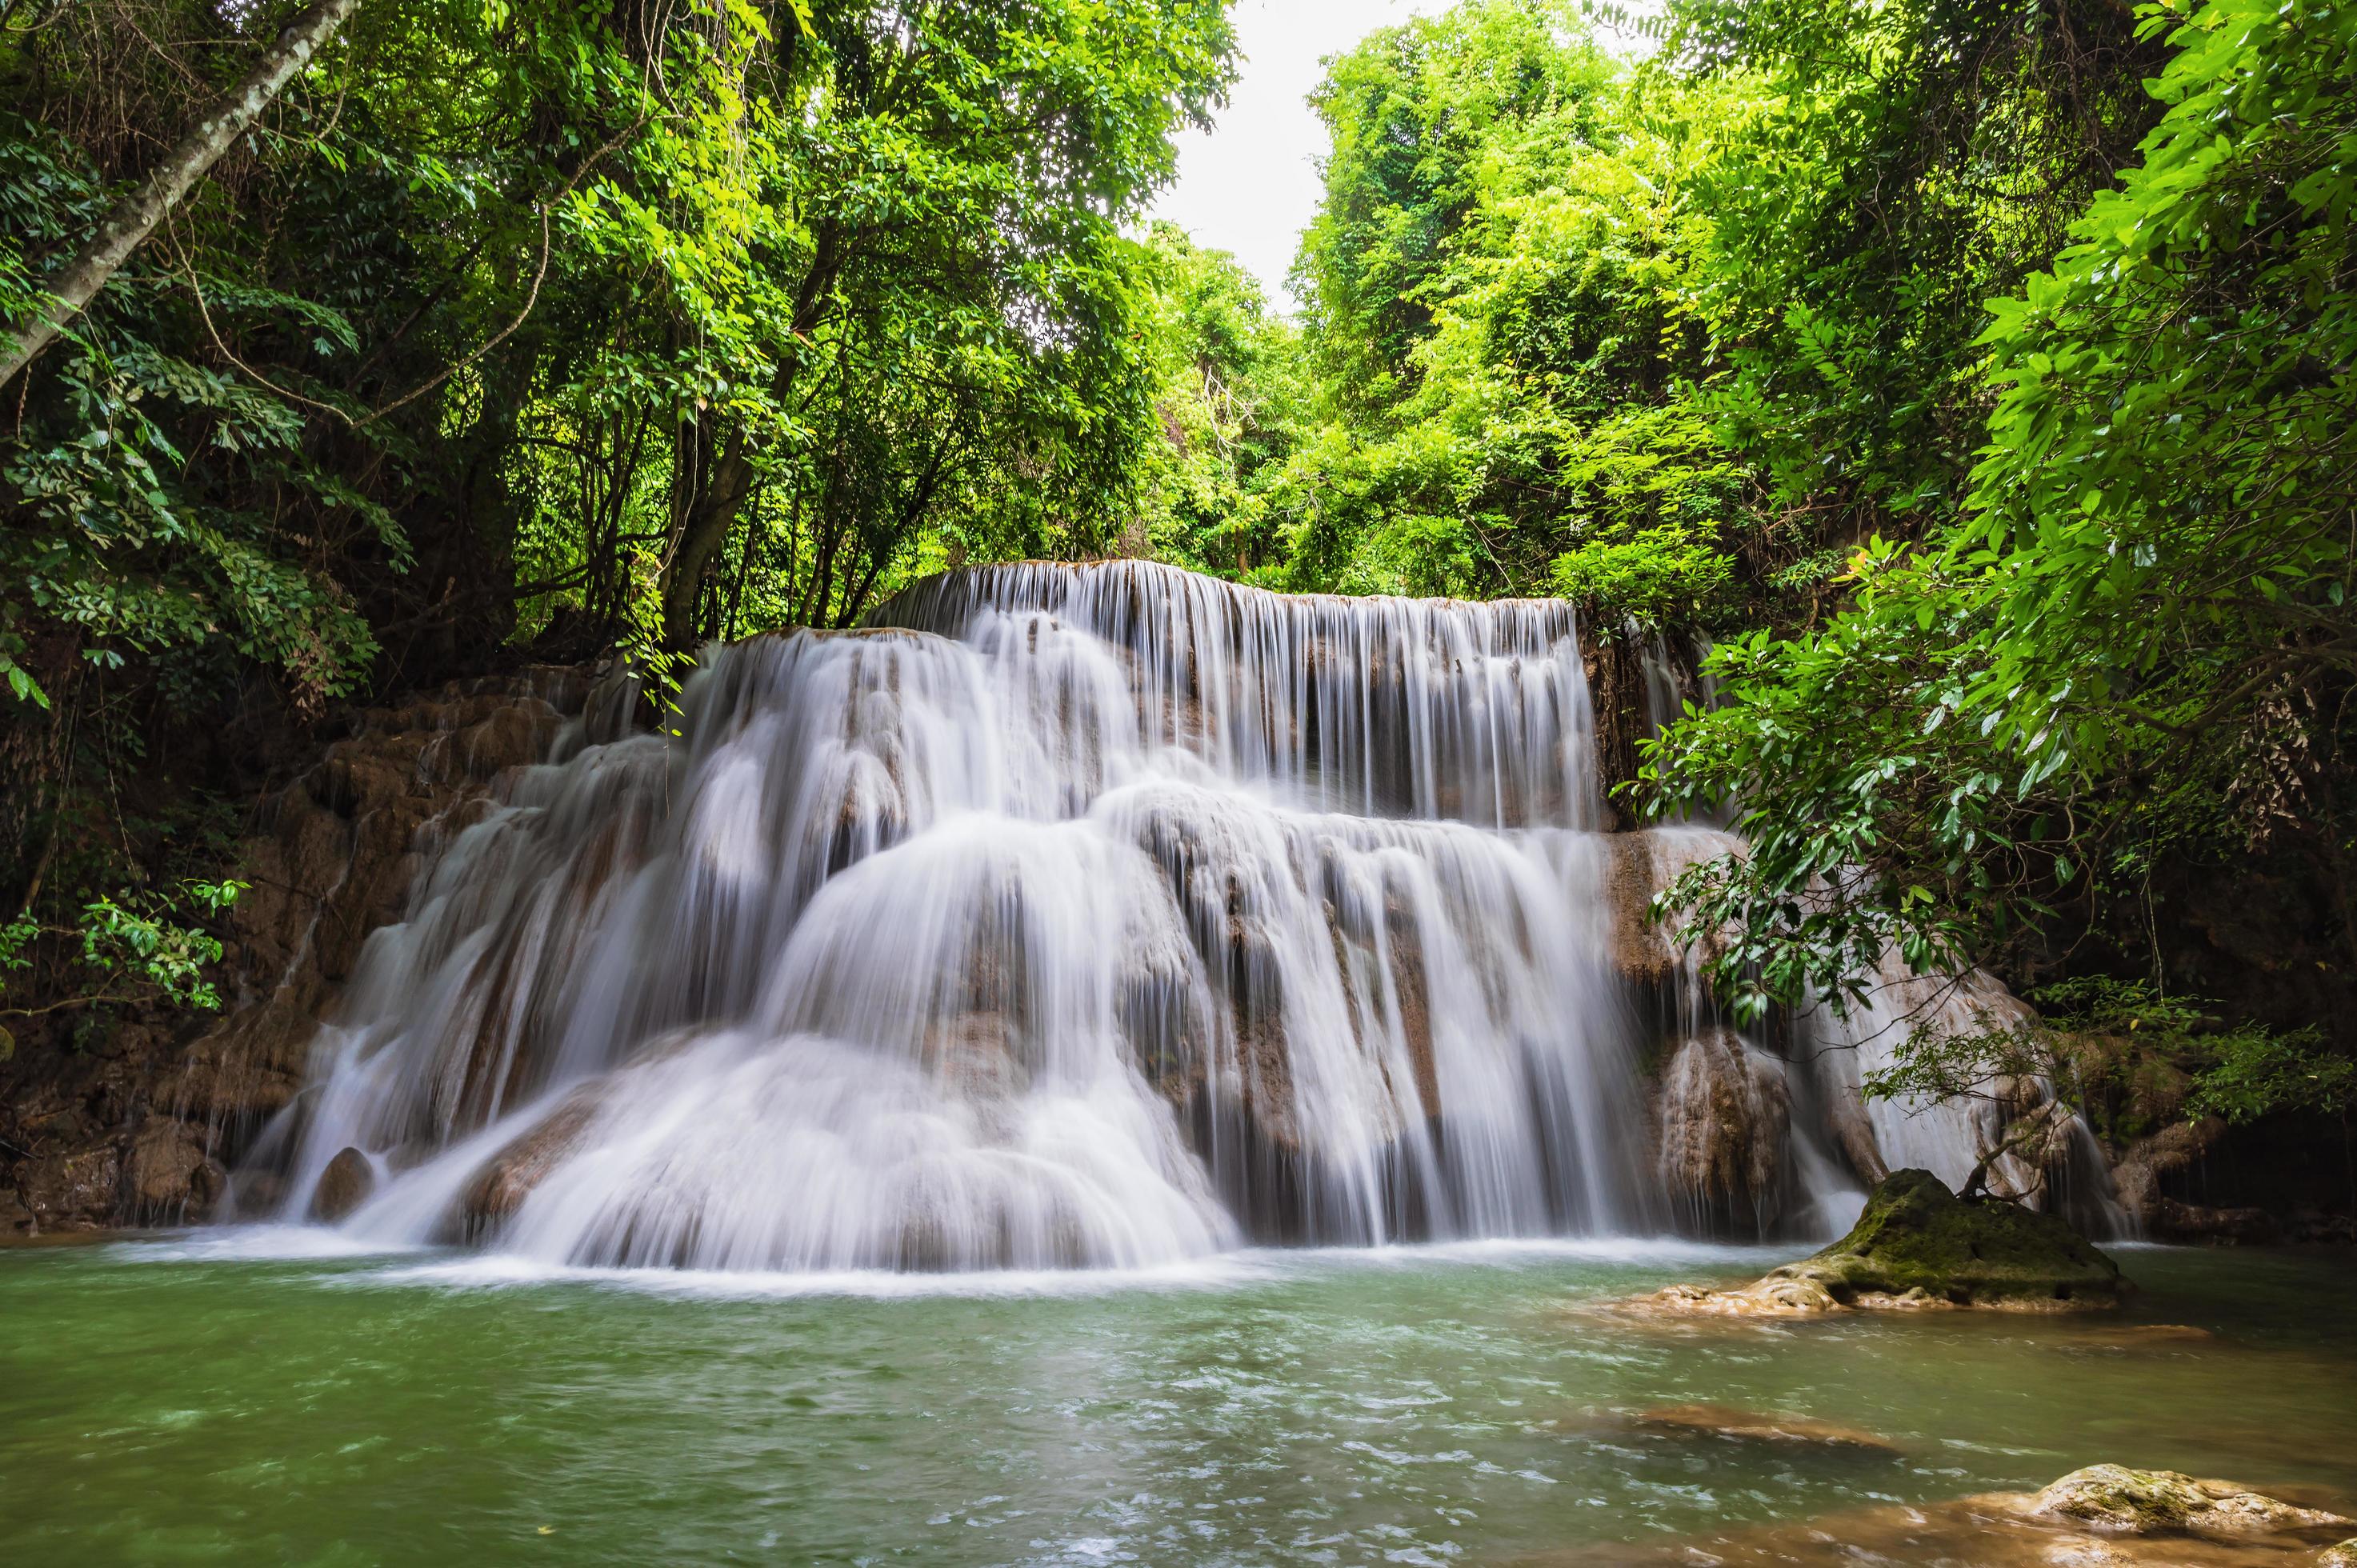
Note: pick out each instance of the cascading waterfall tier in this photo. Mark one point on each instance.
(1064, 916)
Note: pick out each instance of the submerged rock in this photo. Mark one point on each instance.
(1759, 1426)
(2114, 1499)
(1918, 1245)
(2142, 1336)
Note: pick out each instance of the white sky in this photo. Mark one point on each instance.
(1251, 185)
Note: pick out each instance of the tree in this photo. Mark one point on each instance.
(135, 216)
(2138, 633)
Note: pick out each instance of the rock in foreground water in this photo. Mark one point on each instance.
(2114, 1499)
(2104, 1515)
(1918, 1245)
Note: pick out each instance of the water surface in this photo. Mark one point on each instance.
(239, 1398)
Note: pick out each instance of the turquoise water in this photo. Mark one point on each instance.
(238, 1399)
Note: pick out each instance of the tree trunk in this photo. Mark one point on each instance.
(708, 530)
(708, 525)
(136, 215)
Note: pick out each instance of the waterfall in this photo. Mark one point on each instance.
(1099, 915)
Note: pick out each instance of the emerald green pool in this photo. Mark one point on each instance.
(228, 1398)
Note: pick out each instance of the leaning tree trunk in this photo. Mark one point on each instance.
(136, 215)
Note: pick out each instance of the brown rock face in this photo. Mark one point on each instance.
(1725, 1124)
(135, 1126)
(343, 1186)
(1647, 953)
(169, 1175)
(70, 1190)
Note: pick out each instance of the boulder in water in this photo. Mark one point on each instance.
(2010, 1530)
(497, 1190)
(343, 1186)
(1915, 1236)
(1918, 1245)
(2118, 1500)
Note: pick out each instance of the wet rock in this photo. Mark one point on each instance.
(1725, 1124)
(170, 1179)
(1916, 1236)
(1646, 952)
(2341, 1556)
(2117, 1500)
(2166, 1219)
(497, 1190)
(2137, 1175)
(979, 1056)
(1917, 1246)
(2315, 1227)
(256, 1195)
(338, 863)
(71, 1191)
(1412, 988)
(1769, 1296)
(1995, 1530)
(343, 1186)
(16, 1220)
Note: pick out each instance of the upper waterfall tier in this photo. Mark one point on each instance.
(1430, 708)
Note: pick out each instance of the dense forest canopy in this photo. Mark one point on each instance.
(1977, 373)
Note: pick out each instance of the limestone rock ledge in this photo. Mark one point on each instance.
(140, 1127)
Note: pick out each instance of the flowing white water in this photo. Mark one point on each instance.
(1070, 917)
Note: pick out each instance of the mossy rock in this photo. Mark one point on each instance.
(2115, 1498)
(1917, 1241)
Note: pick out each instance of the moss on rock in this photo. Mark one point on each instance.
(2114, 1497)
(1917, 1245)
(1916, 1236)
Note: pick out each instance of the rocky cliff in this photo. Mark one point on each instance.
(137, 1123)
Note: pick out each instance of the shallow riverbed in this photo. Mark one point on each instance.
(257, 1396)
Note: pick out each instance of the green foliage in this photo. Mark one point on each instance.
(1230, 384)
(589, 328)
(1659, 574)
(2127, 1058)
(132, 946)
(2134, 625)
(1903, 161)
(1500, 288)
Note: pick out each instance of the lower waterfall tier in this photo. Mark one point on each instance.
(943, 948)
